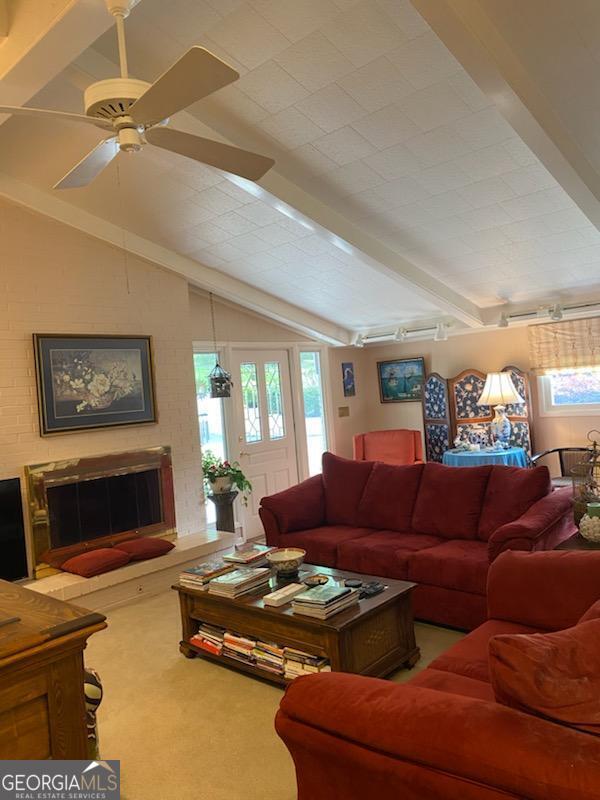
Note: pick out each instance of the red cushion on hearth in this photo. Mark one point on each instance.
(145, 547)
(344, 482)
(510, 492)
(95, 562)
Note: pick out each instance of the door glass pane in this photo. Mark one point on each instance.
(249, 382)
(314, 415)
(210, 416)
(274, 400)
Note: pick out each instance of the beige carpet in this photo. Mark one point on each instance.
(190, 728)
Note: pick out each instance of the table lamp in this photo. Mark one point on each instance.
(499, 391)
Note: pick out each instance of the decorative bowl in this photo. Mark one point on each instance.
(589, 528)
(286, 560)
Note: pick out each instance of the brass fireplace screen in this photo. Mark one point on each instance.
(96, 501)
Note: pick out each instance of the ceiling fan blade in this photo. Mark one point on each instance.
(195, 75)
(222, 156)
(63, 116)
(91, 165)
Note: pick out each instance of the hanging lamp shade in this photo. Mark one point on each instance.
(220, 382)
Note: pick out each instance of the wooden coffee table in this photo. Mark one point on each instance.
(375, 637)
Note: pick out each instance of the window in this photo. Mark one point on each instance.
(570, 392)
(274, 401)
(210, 415)
(250, 398)
(314, 413)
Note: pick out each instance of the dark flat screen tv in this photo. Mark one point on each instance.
(13, 553)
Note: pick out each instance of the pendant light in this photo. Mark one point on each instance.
(220, 379)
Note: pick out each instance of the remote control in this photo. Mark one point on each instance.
(371, 589)
(284, 595)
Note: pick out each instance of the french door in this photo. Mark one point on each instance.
(264, 432)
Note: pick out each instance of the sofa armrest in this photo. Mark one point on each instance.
(346, 732)
(297, 508)
(543, 526)
(549, 590)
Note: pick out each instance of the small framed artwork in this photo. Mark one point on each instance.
(401, 380)
(89, 381)
(348, 379)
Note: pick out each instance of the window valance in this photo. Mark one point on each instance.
(564, 345)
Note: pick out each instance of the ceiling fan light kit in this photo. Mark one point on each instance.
(136, 113)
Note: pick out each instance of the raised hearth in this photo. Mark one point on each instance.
(96, 501)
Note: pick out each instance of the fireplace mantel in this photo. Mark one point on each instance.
(70, 508)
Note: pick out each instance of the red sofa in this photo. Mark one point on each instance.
(438, 526)
(401, 446)
(443, 736)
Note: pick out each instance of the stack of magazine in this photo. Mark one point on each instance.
(240, 582)
(297, 663)
(209, 638)
(323, 602)
(200, 576)
(249, 555)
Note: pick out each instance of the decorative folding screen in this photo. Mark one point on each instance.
(467, 417)
(563, 345)
(436, 417)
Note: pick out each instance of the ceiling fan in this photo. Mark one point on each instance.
(136, 113)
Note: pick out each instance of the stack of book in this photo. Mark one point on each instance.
(269, 657)
(323, 602)
(297, 662)
(199, 577)
(239, 582)
(209, 638)
(250, 555)
(239, 647)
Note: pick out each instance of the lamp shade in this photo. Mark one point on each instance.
(499, 390)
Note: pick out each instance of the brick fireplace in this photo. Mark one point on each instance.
(96, 501)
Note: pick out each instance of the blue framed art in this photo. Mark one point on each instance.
(401, 380)
(348, 379)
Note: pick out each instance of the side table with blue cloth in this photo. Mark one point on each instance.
(513, 457)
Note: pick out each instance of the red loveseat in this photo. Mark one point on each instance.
(443, 736)
(438, 526)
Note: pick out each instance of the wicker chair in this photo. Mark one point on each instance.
(568, 457)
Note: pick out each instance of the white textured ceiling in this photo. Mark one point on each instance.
(366, 110)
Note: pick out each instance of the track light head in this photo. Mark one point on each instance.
(556, 312)
(503, 322)
(359, 341)
(400, 335)
(441, 333)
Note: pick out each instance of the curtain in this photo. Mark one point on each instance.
(564, 345)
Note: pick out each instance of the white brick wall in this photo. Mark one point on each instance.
(54, 279)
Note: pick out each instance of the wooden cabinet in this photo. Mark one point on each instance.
(42, 708)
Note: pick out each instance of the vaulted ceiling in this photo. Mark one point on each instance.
(403, 194)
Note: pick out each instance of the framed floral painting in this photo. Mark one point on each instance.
(89, 381)
(401, 380)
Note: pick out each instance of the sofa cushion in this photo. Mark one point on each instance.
(593, 612)
(452, 682)
(145, 547)
(344, 483)
(95, 562)
(457, 564)
(553, 675)
(321, 544)
(383, 553)
(449, 501)
(299, 507)
(510, 492)
(469, 656)
(389, 496)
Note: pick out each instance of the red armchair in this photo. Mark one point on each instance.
(399, 447)
(443, 736)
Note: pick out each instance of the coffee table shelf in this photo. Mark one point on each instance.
(375, 637)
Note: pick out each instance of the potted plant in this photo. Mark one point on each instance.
(221, 476)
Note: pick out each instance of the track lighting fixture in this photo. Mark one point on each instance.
(400, 335)
(503, 322)
(556, 312)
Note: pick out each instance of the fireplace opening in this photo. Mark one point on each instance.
(91, 509)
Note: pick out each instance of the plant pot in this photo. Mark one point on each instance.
(221, 485)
